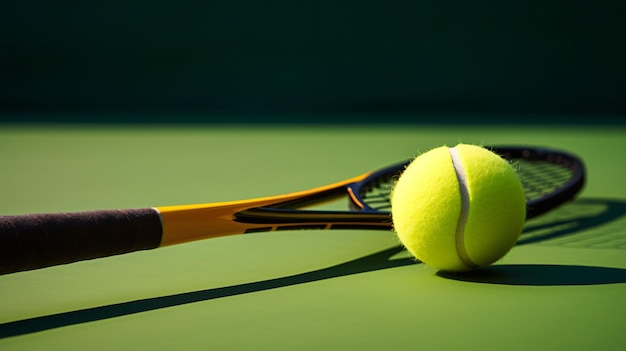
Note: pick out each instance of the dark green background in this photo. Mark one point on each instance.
(222, 60)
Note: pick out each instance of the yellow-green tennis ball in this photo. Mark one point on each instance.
(459, 208)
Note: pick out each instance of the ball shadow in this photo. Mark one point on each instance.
(541, 275)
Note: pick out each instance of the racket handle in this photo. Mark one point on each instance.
(42, 240)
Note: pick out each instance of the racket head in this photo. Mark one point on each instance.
(549, 177)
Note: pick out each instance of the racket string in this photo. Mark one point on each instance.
(377, 193)
(540, 177)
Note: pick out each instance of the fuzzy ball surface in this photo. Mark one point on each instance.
(459, 208)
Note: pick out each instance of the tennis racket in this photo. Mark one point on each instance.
(35, 241)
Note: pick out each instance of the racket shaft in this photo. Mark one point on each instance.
(42, 240)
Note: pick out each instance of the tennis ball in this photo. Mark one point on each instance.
(456, 209)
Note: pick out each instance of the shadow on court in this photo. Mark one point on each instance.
(374, 262)
(542, 275)
(576, 217)
(581, 215)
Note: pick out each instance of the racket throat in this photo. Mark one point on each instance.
(276, 219)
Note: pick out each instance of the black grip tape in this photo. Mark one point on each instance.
(36, 241)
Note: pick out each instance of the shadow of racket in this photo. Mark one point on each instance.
(373, 262)
(580, 215)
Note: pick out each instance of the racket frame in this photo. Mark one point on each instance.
(286, 212)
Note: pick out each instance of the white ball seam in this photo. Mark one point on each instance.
(465, 206)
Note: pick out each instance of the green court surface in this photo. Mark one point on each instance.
(561, 288)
